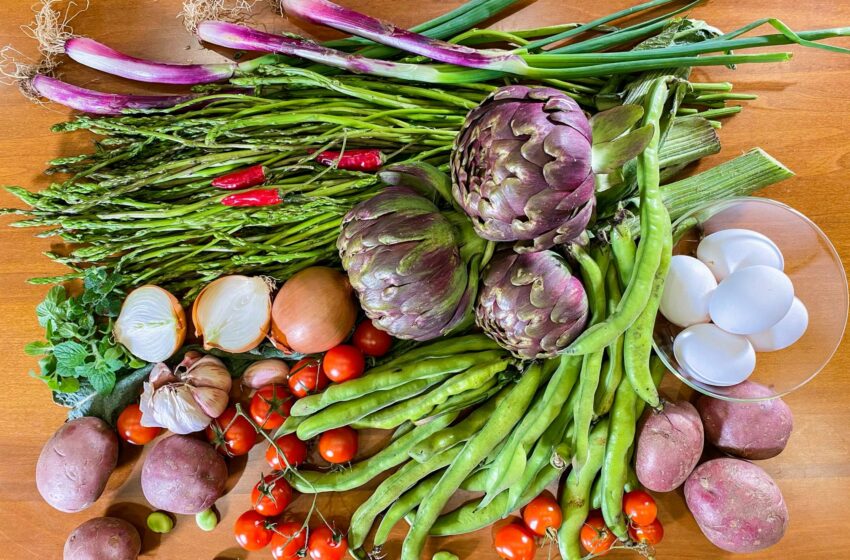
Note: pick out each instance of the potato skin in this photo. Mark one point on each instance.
(103, 538)
(183, 475)
(669, 446)
(75, 464)
(736, 505)
(758, 430)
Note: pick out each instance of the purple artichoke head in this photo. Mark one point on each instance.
(531, 304)
(523, 164)
(408, 261)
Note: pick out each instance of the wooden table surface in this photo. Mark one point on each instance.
(802, 117)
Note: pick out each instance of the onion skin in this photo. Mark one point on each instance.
(265, 372)
(313, 311)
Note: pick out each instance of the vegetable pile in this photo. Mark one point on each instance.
(400, 231)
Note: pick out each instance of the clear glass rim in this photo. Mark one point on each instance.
(727, 203)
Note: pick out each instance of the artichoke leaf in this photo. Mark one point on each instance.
(613, 123)
(609, 156)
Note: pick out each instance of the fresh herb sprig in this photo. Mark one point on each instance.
(80, 347)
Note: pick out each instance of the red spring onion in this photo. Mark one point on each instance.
(241, 179)
(258, 197)
(240, 37)
(352, 160)
(97, 102)
(324, 12)
(106, 59)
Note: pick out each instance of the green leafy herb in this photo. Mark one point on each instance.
(80, 351)
(86, 401)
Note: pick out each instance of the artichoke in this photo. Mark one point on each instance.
(524, 161)
(531, 304)
(415, 269)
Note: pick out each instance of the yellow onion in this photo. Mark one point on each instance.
(233, 313)
(187, 399)
(313, 311)
(151, 325)
(265, 372)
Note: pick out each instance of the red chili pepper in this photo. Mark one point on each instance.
(353, 160)
(258, 197)
(242, 179)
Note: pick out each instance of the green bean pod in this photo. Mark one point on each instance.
(470, 398)
(461, 431)
(312, 482)
(637, 342)
(406, 503)
(615, 469)
(613, 371)
(350, 412)
(596, 494)
(624, 248)
(506, 416)
(390, 376)
(474, 515)
(575, 497)
(390, 489)
(421, 406)
(509, 465)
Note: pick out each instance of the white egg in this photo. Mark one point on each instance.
(729, 250)
(687, 291)
(751, 300)
(786, 332)
(713, 355)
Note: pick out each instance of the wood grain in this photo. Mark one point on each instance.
(802, 117)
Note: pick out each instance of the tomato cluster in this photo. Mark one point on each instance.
(644, 526)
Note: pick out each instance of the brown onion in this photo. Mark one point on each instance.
(313, 312)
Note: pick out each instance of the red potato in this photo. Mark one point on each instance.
(669, 446)
(75, 464)
(736, 505)
(183, 475)
(758, 430)
(103, 538)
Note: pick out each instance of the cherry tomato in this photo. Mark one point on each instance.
(305, 378)
(338, 445)
(289, 541)
(293, 449)
(640, 507)
(253, 531)
(231, 435)
(130, 428)
(514, 542)
(497, 525)
(343, 362)
(649, 534)
(271, 495)
(270, 406)
(542, 514)
(371, 340)
(326, 544)
(596, 538)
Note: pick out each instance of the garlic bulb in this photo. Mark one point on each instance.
(265, 372)
(233, 313)
(151, 325)
(187, 399)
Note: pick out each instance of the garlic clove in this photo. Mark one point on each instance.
(151, 324)
(265, 372)
(188, 361)
(175, 408)
(208, 371)
(212, 401)
(233, 313)
(161, 375)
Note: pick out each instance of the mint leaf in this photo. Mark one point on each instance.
(88, 402)
(70, 354)
(50, 309)
(37, 348)
(102, 378)
(63, 384)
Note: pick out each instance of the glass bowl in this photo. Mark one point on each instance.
(813, 266)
